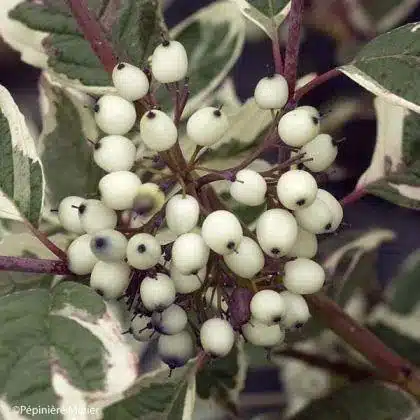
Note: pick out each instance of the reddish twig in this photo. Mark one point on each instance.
(354, 196)
(278, 59)
(300, 93)
(33, 265)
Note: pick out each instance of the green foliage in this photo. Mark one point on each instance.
(269, 7)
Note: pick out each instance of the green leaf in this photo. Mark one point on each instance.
(66, 154)
(267, 14)
(155, 396)
(47, 332)
(21, 175)
(388, 66)
(133, 29)
(13, 282)
(213, 38)
(363, 400)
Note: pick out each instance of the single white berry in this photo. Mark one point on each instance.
(311, 110)
(267, 306)
(322, 151)
(303, 276)
(249, 188)
(214, 298)
(175, 350)
(248, 259)
(110, 279)
(68, 214)
(306, 245)
(262, 335)
(119, 189)
(80, 257)
(296, 189)
(158, 131)
(207, 126)
(222, 232)
(109, 245)
(143, 251)
(95, 216)
(298, 127)
(334, 206)
(142, 329)
(272, 92)
(157, 293)
(182, 213)
(189, 253)
(114, 115)
(131, 83)
(114, 153)
(149, 199)
(297, 311)
(169, 62)
(276, 232)
(170, 321)
(217, 337)
(187, 283)
(316, 218)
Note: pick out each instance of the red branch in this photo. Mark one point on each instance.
(33, 265)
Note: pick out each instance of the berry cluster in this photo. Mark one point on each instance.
(204, 270)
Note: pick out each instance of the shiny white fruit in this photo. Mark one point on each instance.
(217, 337)
(249, 188)
(276, 232)
(170, 321)
(247, 261)
(169, 62)
(158, 131)
(303, 276)
(263, 335)
(143, 251)
(119, 189)
(131, 83)
(297, 311)
(187, 283)
(267, 306)
(316, 218)
(322, 151)
(182, 213)
(306, 245)
(109, 245)
(68, 214)
(80, 257)
(222, 232)
(271, 92)
(96, 216)
(175, 350)
(142, 329)
(334, 206)
(110, 279)
(157, 293)
(114, 115)
(114, 153)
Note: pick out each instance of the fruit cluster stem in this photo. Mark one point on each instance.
(33, 265)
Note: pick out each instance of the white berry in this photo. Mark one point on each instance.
(297, 311)
(263, 335)
(298, 127)
(217, 337)
(95, 216)
(187, 283)
(142, 329)
(176, 350)
(267, 306)
(109, 245)
(272, 92)
(207, 126)
(306, 245)
(114, 153)
(157, 293)
(311, 110)
(248, 259)
(213, 297)
(189, 253)
(303, 276)
(68, 214)
(110, 279)
(80, 257)
(249, 188)
(322, 151)
(131, 83)
(143, 251)
(114, 115)
(276, 232)
(296, 189)
(119, 189)
(169, 62)
(158, 131)
(334, 206)
(222, 232)
(182, 213)
(170, 321)
(149, 199)
(316, 218)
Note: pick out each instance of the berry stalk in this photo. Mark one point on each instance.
(33, 265)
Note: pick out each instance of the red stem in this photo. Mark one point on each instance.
(33, 265)
(354, 196)
(278, 60)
